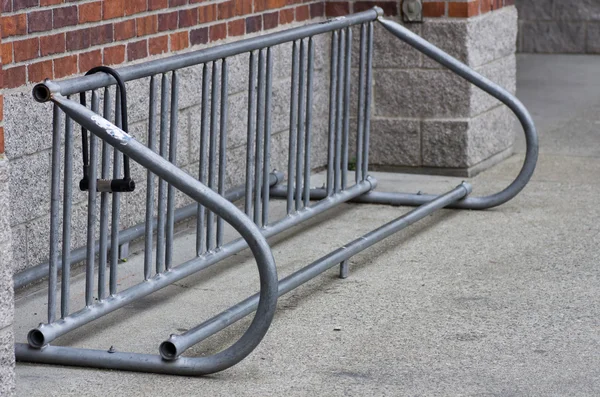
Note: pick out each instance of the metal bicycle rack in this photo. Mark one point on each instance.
(214, 204)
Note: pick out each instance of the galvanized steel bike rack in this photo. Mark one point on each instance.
(208, 190)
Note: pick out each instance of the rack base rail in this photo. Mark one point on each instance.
(213, 203)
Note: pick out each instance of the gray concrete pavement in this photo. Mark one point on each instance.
(499, 302)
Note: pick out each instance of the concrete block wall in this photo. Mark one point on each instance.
(559, 27)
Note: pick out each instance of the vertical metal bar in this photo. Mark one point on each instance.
(301, 112)
(67, 203)
(200, 238)
(293, 127)
(308, 122)
(347, 88)
(116, 204)
(173, 159)
(260, 126)
(91, 221)
(250, 138)
(338, 123)
(223, 142)
(344, 269)
(212, 156)
(150, 183)
(361, 103)
(160, 229)
(103, 243)
(267, 139)
(332, 108)
(54, 220)
(367, 108)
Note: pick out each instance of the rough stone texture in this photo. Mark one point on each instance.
(7, 378)
(492, 36)
(395, 142)
(503, 72)
(548, 26)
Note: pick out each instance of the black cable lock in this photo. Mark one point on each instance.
(107, 185)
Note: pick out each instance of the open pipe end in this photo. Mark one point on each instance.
(36, 339)
(168, 350)
(41, 93)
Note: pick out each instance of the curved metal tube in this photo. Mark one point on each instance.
(211, 200)
(494, 90)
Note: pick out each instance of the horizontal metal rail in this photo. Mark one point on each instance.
(77, 255)
(174, 346)
(147, 69)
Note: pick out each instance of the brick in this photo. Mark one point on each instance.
(226, 10)
(102, 34)
(90, 12)
(219, 31)
(236, 28)
(302, 13)
(463, 10)
(39, 21)
(114, 55)
(1, 140)
(509, 3)
(176, 3)
(259, 5)
(135, 6)
(158, 45)
(88, 60)
(286, 16)
(243, 7)
(125, 30)
(179, 41)
(207, 13)
(389, 9)
(39, 71)
(199, 36)
(1, 107)
(22, 4)
(7, 53)
(157, 4)
(137, 50)
(14, 77)
(25, 50)
(253, 24)
(188, 18)
(274, 4)
(146, 25)
(271, 20)
(6, 5)
(337, 8)
(65, 16)
(78, 39)
(434, 10)
(53, 44)
(113, 9)
(49, 2)
(317, 10)
(14, 25)
(65, 66)
(167, 21)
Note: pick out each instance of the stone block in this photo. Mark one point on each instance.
(490, 133)
(395, 142)
(7, 362)
(445, 143)
(593, 38)
(6, 284)
(535, 9)
(503, 72)
(30, 186)
(420, 93)
(492, 36)
(553, 36)
(449, 34)
(581, 10)
(27, 125)
(19, 246)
